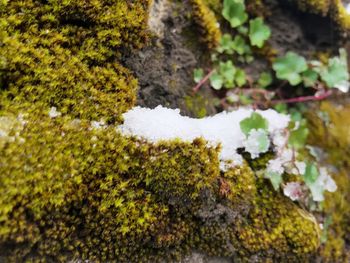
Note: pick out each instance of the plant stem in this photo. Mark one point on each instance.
(304, 98)
(197, 87)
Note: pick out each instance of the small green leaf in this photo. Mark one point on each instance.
(281, 108)
(240, 78)
(290, 67)
(310, 78)
(255, 121)
(263, 142)
(275, 178)
(311, 174)
(227, 70)
(258, 32)
(198, 75)
(226, 44)
(216, 81)
(265, 80)
(234, 12)
(243, 30)
(239, 45)
(298, 137)
(245, 100)
(336, 74)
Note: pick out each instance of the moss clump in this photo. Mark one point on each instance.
(273, 224)
(335, 9)
(93, 194)
(196, 105)
(206, 20)
(65, 54)
(330, 131)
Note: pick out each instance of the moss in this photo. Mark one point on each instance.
(65, 54)
(332, 135)
(335, 9)
(73, 189)
(273, 224)
(196, 105)
(207, 22)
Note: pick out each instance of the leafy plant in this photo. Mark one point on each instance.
(258, 32)
(198, 75)
(265, 80)
(336, 74)
(255, 121)
(234, 12)
(290, 68)
(317, 180)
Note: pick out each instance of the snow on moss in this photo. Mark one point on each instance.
(224, 128)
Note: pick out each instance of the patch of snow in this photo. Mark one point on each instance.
(347, 8)
(98, 124)
(53, 113)
(224, 128)
(275, 166)
(257, 142)
(326, 180)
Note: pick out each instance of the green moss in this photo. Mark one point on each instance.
(196, 105)
(69, 191)
(65, 54)
(273, 224)
(332, 135)
(73, 189)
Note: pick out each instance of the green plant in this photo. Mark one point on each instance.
(314, 177)
(252, 34)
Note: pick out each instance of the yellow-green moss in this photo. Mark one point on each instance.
(274, 223)
(68, 188)
(65, 54)
(196, 105)
(334, 138)
(333, 8)
(207, 22)
(69, 191)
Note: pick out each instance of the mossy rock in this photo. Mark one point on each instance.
(71, 190)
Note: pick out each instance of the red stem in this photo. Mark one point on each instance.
(200, 84)
(304, 98)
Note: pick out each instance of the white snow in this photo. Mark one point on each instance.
(347, 8)
(53, 113)
(162, 123)
(257, 142)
